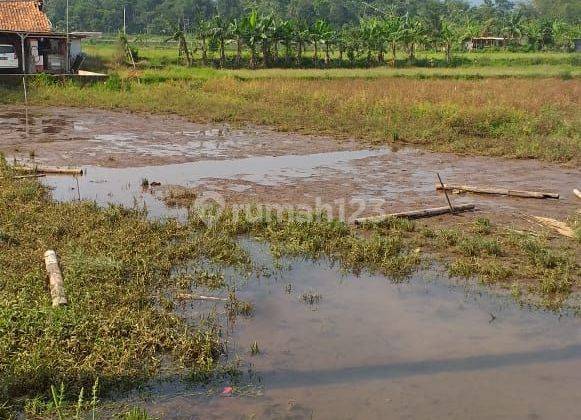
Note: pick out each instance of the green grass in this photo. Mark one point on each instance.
(515, 118)
(121, 272)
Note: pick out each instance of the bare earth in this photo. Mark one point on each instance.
(258, 165)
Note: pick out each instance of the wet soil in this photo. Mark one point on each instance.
(369, 348)
(257, 165)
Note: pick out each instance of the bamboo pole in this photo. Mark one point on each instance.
(416, 214)
(49, 169)
(186, 296)
(556, 225)
(497, 191)
(56, 283)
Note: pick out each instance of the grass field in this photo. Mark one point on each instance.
(121, 327)
(511, 117)
(122, 276)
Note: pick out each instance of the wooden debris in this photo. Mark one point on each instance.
(416, 214)
(446, 193)
(186, 296)
(556, 225)
(497, 191)
(577, 193)
(56, 283)
(49, 169)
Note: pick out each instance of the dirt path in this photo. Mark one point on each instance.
(257, 165)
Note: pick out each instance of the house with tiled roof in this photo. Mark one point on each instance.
(28, 44)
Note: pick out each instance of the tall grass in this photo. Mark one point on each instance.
(517, 118)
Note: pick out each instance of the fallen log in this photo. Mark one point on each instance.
(497, 191)
(416, 214)
(577, 193)
(185, 296)
(556, 225)
(56, 283)
(49, 169)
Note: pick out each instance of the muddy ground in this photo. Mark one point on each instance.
(257, 165)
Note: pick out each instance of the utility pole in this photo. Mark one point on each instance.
(124, 20)
(68, 57)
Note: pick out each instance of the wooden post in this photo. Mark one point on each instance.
(56, 283)
(446, 193)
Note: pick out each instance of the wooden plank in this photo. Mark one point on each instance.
(497, 191)
(577, 193)
(556, 225)
(416, 214)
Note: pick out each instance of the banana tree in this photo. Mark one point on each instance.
(236, 32)
(204, 33)
(219, 32)
(372, 37)
(321, 33)
(302, 37)
(266, 29)
(413, 33)
(450, 34)
(183, 50)
(393, 32)
(286, 33)
(252, 35)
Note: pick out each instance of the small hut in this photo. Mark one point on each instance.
(481, 43)
(26, 34)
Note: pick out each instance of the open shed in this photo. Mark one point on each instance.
(25, 27)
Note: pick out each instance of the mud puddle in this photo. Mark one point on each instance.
(257, 165)
(369, 348)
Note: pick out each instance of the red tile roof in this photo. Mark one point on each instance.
(23, 16)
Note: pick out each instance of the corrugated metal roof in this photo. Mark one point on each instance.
(23, 16)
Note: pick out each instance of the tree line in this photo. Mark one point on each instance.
(258, 39)
(163, 16)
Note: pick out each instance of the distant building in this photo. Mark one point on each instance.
(481, 43)
(28, 44)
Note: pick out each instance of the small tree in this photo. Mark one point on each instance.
(393, 32)
(219, 32)
(183, 50)
(449, 35)
(236, 32)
